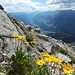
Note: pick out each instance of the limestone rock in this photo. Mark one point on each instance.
(7, 28)
(63, 57)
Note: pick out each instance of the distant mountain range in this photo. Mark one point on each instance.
(60, 22)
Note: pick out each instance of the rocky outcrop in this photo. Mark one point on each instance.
(7, 28)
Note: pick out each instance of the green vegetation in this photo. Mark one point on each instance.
(23, 63)
(29, 37)
(73, 43)
(61, 50)
(29, 48)
(20, 63)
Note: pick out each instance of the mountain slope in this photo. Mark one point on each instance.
(58, 24)
(64, 21)
(30, 40)
(58, 21)
(61, 21)
(22, 29)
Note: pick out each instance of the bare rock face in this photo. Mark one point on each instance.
(7, 28)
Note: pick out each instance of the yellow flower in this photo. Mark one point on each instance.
(15, 35)
(60, 60)
(45, 54)
(52, 58)
(21, 37)
(67, 68)
(33, 42)
(68, 71)
(47, 59)
(40, 62)
(57, 60)
(26, 43)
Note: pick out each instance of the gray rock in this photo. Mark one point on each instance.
(37, 30)
(43, 37)
(63, 57)
(47, 46)
(7, 28)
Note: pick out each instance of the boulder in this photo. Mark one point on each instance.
(42, 36)
(63, 57)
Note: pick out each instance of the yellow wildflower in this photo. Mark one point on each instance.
(45, 54)
(68, 71)
(15, 35)
(47, 59)
(57, 60)
(21, 37)
(33, 42)
(40, 62)
(67, 68)
(52, 58)
(26, 43)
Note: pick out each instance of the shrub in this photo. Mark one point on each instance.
(17, 63)
(29, 37)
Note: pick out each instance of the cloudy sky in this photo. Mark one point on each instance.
(37, 5)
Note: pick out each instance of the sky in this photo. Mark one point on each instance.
(37, 5)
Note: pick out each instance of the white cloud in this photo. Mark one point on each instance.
(18, 1)
(61, 4)
(20, 5)
(30, 6)
(52, 1)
